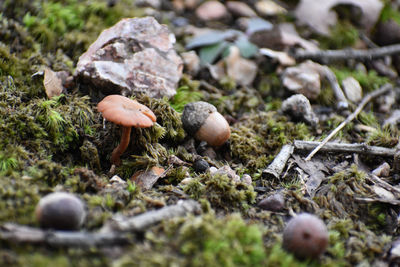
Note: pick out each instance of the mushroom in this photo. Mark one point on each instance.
(60, 211)
(126, 112)
(203, 121)
(305, 236)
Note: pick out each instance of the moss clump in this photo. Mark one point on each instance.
(221, 191)
(229, 241)
(343, 35)
(202, 241)
(187, 92)
(260, 136)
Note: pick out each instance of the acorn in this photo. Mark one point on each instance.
(60, 211)
(306, 236)
(202, 121)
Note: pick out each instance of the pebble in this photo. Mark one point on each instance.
(211, 10)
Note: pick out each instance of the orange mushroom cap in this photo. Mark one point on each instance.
(126, 112)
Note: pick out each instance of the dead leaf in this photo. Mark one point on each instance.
(319, 16)
(146, 179)
(314, 170)
(52, 83)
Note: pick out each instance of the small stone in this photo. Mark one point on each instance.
(269, 8)
(134, 56)
(303, 79)
(200, 165)
(246, 179)
(306, 236)
(117, 179)
(211, 10)
(275, 202)
(382, 170)
(191, 62)
(298, 107)
(240, 9)
(227, 170)
(352, 89)
(60, 211)
(241, 70)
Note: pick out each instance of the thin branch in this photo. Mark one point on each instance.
(345, 54)
(29, 235)
(276, 167)
(384, 89)
(345, 148)
(143, 221)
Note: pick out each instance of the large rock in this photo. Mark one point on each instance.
(136, 55)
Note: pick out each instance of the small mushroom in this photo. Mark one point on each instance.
(126, 112)
(205, 123)
(60, 211)
(305, 236)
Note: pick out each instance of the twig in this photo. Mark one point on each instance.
(331, 78)
(29, 235)
(143, 221)
(379, 200)
(345, 54)
(376, 180)
(276, 167)
(345, 148)
(365, 100)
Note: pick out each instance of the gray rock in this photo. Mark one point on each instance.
(298, 107)
(275, 202)
(136, 55)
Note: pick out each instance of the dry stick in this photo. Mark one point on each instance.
(276, 167)
(387, 87)
(143, 221)
(345, 148)
(330, 76)
(330, 55)
(29, 235)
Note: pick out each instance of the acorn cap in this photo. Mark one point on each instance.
(195, 114)
(126, 112)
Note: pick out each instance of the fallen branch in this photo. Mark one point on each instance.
(345, 148)
(143, 221)
(29, 235)
(384, 89)
(345, 54)
(393, 202)
(276, 167)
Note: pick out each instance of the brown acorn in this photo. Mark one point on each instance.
(202, 121)
(306, 236)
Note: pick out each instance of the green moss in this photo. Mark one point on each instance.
(369, 81)
(227, 242)
(260, 137)
(221, 191)
(389, 13)
(342, 35)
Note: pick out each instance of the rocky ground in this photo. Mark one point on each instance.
(279, 77)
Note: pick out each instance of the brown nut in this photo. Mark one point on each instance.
(60, 211)
(305, 236)
(205, 123)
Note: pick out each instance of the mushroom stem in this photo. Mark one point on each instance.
(120, 149)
